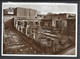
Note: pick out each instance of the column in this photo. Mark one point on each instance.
(22, 29)
(22, 26)
(18, 28)
(34, 35)
(26, 27)
(26, 30)
(16, 24)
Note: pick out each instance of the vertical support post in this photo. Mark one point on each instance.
(34, 35)
(21, 29)
(16, 24)
(26, 27)
(18, 28)
(26, 30)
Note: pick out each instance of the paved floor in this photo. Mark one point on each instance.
(16, 45)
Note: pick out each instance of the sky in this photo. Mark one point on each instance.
(45, 8)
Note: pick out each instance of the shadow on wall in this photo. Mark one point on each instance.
(9, 23)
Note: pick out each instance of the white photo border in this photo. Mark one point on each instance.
(36, 54)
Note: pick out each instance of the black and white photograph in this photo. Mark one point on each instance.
(39, 29)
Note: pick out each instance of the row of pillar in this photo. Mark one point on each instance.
(20, 27)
